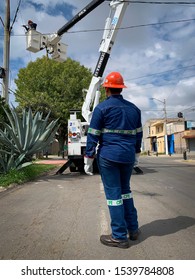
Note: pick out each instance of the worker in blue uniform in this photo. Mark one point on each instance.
(116, 131)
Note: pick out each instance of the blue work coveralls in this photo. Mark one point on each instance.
(117, 130)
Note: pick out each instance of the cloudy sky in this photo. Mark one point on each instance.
(154, 49)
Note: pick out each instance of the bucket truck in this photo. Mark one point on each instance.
(77, 130)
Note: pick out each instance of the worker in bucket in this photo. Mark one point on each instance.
(31, 25)
(117, 130)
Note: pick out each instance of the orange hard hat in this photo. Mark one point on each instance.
(114, 80)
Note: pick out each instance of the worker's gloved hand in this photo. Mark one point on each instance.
(88, 165)
(136, 163)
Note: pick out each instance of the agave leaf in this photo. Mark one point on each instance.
(24, 121)
(43, 141)
(28, 130)
(36, 132)
(23, 165)
(24, 136)
(2, 168)
(36, 120)
(2, 164)
(41, 134)
(16, 143)
(4, 152)
(5, 140)
(44, 124)
(49, 130)
(9, 117)
(18, 127)
(19, 159)
(10, 162)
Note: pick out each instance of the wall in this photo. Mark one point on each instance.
(180, 143)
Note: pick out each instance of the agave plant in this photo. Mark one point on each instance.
(8, 160)
(24, 136)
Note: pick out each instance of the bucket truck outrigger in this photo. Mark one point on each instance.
(77, 130)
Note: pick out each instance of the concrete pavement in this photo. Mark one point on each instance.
(62, 216)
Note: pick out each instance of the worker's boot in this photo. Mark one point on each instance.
(108, 240)
(134, 235)
(138, 170)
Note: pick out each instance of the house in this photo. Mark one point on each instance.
(176, 134)
(189, 137)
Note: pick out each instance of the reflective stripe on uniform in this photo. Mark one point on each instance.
(119, 131)
(94, 131)
(130, 132)
(117, 202)
(127, 196)
(139, 129)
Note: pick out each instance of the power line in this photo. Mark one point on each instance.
(159, 73)
(144, 87)
(137, 26)
(189, 108)
(17, 10)
(160, 3)
(29, 53)
(1, 21)
(121, 28)
(184, 110)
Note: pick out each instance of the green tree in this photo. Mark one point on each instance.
(46, 85)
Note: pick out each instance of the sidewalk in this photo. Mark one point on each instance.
(177, 157)
(53, 159)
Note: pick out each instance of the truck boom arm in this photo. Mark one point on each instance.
(112, 25)
(90, 7)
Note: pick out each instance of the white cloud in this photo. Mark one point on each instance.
(138, 52)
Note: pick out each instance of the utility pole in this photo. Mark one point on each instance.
(165, 122)
(166, 140)
(6, 52)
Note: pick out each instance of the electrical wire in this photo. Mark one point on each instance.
(29, 53)
(2, 21)
(120, 28)
(135, 26)
(16, 13)
(189, 108)
(160, 3)
(160, 73)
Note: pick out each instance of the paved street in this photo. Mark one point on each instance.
(62, 216)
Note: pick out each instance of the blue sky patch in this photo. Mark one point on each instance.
(65, 9)
(16, 63)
